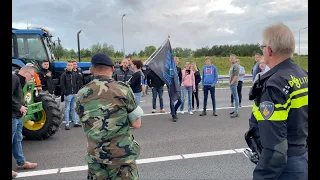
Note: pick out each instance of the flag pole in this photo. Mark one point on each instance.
(157, 50)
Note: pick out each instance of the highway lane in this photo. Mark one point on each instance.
(159, 137)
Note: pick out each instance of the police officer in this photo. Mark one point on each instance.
(280, 112)
(107, 109)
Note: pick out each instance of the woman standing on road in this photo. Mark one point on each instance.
(197, 79)
(136, 80)
(187, 86)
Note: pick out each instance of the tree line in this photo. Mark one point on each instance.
(215, 50)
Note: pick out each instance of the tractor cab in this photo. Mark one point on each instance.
(33, 45)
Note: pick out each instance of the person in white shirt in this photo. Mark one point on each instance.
(240, 82)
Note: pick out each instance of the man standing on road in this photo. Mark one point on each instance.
(70, 83)
(78, 71)
(174, 107)
(234, 78)
(156, 84)
(280, 111)
(124, 73)
(107, 109)
(209, 80)
(18, 111)
(256, 69)
(242, 73)
(263, 67)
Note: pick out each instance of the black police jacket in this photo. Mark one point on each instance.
(280, 117)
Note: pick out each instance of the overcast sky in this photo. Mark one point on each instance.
(190, 23)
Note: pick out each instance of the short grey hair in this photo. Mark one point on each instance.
(280, 39)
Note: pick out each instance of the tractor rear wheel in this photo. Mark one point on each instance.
(49, 119)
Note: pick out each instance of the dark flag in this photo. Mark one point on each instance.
(163, 64)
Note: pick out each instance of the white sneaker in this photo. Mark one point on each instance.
(191, 112)
(182, 112)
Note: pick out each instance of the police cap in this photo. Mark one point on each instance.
(101, 59)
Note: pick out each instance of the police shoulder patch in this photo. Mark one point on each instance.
(266, 109)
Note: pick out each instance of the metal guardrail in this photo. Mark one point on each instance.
(225, 78)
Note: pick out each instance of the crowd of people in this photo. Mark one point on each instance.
(112, 150)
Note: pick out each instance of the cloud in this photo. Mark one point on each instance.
(190, 23)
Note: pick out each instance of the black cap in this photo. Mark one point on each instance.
(101, 59)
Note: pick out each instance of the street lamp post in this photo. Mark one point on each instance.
(124, 54)
(299, 44)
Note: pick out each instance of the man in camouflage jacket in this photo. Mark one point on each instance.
(107, 109)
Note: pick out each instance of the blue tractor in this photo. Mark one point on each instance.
(33, 46)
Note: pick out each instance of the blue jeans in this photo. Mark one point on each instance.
(16, 141)
(138, 96)
(186, 89)
(234, 93)
(70, 103)
(206, 90)
(155, 92)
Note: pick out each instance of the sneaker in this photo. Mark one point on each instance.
(14, 174)
(67, 128)
(214, 113)
(76, 125)
(191, 112)
(234, 115)
(232, 112)
(162, 111)
(181, 112)
(154, 111)
(232, 105)
(240, 105)
(203, 113)
(27, 165)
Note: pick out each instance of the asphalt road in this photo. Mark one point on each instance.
(193, 148)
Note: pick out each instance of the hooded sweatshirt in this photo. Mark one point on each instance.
(188, 79)
(209, 75)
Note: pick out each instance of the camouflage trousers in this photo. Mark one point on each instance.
(97, 171)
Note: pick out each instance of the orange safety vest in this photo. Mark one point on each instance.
(37, 80)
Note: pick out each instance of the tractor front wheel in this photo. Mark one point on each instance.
(48, 120)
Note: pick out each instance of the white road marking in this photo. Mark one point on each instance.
(159, 159)
(244, 87)
(139, 161)
(75, 168)
(210, 109)
(200, 110)
(205, 154)
(240, 150)
(37, 173)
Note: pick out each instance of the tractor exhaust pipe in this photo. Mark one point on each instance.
(78, 45)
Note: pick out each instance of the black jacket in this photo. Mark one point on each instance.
(69, 82)
(153, 80)
(17, 95)
(46, 81)
(121, 75)
(197, 77)
(136, 82)
(80, 76)
(280, 117)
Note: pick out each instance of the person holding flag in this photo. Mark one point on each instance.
(163, 65)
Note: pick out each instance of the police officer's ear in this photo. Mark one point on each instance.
(90, 69)
(112, 68)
